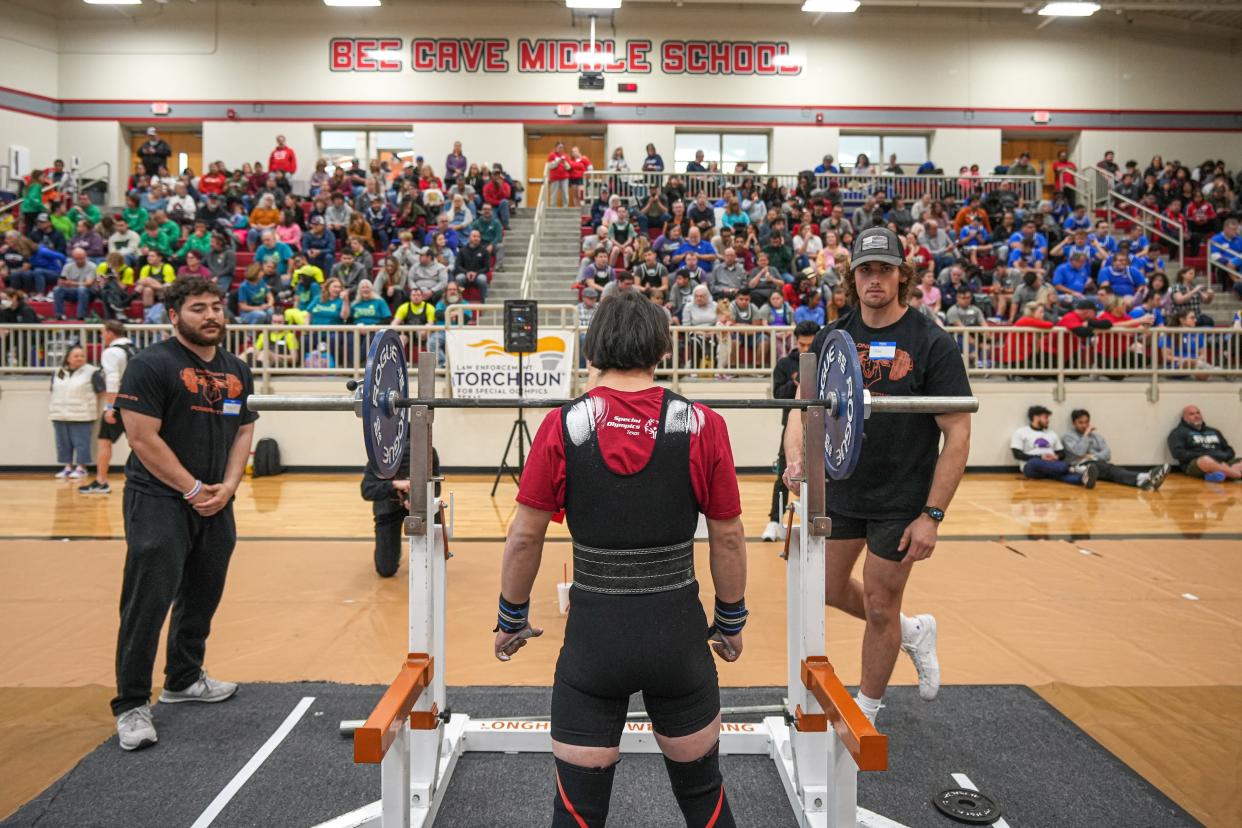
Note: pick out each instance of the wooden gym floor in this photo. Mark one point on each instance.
(1131, 627)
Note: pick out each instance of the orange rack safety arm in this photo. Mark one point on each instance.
(372, 740)
(867, 745)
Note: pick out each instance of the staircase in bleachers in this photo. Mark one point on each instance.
(558, 256)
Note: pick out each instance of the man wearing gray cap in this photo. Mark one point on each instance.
(154, 152)
(904, 482)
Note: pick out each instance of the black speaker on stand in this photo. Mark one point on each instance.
(521, 338)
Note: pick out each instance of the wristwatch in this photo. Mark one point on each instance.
(934, 513)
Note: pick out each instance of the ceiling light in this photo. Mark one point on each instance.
(353, 3)
(593, 4)
(1069, 9)
(592, 58)
(830, 6)
(113, 2)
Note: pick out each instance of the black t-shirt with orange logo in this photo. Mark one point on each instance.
(911, 357)
(200, 405)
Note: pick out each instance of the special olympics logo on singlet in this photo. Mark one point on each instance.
(651, 427)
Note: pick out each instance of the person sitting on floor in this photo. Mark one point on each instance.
(1202, 451)
(1083, 444)
(1040, 454)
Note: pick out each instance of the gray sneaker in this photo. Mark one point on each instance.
(135, 730)
(206, 689)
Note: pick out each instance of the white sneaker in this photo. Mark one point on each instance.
(135, 729)
(206, 689)
(771, 532)
(921, 647)
(77, 474)
(64, 473)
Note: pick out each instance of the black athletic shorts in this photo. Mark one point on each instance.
(618, 645)
(882, 535)
(111, 431)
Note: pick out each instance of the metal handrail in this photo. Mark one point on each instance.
(55, 185)
(1217, 265)
(1154, 227)
(853, 188)
(536, 232)
(1084, 185)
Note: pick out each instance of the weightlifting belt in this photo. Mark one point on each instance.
(634, 571)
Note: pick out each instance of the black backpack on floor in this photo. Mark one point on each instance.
(267, 458)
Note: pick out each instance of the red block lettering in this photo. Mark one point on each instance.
(447, 57)
(494, 56)
(532, 56)
(636, 55)
(390, 45)
(673, 57)
(743, 58)
(696, 58)
(471, 55)
(341, 51)
(765, 59)
(362, 61)
(718, 62)
(422, 55)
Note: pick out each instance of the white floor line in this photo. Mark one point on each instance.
(963, 781)
(235, 784)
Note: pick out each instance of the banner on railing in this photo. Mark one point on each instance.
(481, 368)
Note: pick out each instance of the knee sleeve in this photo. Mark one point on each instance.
(581, 796)
(699, 789)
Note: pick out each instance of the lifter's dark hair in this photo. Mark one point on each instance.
(628, 332)
(182, 289)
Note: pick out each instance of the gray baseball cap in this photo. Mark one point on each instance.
(877, 244)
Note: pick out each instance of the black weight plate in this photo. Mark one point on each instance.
(840, 373)
(970, 807)
(385, 429)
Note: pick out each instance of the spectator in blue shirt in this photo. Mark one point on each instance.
(1078, 220)
(1135, 240)
(319, 245)
(811, 310)
(1073, 278)
(1121, 277)
(273, 250)
(827, 167)
(1102, 242)
(1028, 232)
(973, 235)
(697, 244)
(1225, 249)
(254, 298)
(369, 309)
(653, 162)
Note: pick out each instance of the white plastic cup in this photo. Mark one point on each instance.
(562, 597)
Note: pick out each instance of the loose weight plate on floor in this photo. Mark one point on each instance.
(384, 424)
(969, 807)
(840, 374)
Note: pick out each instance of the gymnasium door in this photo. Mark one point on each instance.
(187, 150)
(538, 145)
(1043, 152)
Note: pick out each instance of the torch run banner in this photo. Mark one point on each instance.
(480, 367)
(501, 55)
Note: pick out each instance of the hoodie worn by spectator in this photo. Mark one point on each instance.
(431, 278)
(1187, 444)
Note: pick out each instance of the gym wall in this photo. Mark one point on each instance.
(964, 78)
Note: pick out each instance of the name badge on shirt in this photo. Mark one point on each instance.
(231, 408)
(883, 350)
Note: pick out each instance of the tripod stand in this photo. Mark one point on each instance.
(519, 432)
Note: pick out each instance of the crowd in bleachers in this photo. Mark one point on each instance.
(359, 245)
(762, 253)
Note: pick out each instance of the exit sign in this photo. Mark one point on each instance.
(627, 87)
(564, 110)
(1041, 116)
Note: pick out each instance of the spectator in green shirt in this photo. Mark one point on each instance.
(198, 241)
(85, 209)
(133, 214)
(152, 239)
(61, 221)
(369, 309)
(32, 201)
(492, 231)
(169, 229)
